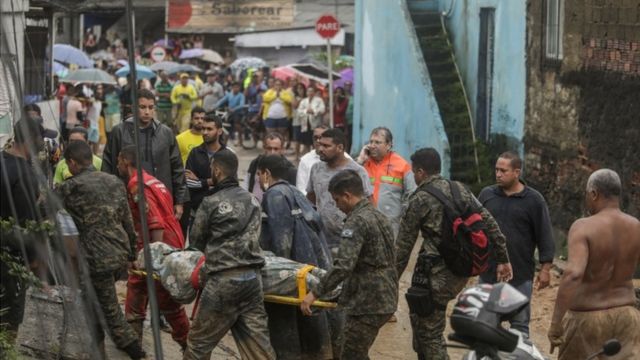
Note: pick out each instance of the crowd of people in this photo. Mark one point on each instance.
(359, 219)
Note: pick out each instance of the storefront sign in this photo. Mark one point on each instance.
(228, 16)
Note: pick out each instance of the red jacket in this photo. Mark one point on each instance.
(160, 213)
(339, 112)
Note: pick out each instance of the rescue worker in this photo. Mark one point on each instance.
(425, 213)
(292, 229)
(390, 175)
(97, 202)
(227, 229)
(364, 265)
(163, 227)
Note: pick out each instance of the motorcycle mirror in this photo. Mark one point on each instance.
(611, 347)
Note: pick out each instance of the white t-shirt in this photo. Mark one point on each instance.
(277, 110)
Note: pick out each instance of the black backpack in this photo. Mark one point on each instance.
(465, 244)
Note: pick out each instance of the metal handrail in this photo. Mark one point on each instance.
(466, 98)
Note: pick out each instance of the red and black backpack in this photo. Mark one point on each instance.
(465, 244)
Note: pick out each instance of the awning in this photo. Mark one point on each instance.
(281, 38)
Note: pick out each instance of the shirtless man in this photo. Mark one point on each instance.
(596, 296)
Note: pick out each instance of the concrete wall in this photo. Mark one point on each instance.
(12, 58)
(509, 79)
(582, 111)
(392, 84)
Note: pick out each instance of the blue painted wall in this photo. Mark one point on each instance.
(392, 84)
(509, 79)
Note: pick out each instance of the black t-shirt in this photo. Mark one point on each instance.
(524, 220)
(18, 186)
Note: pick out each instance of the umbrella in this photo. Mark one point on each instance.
(60, 69)
(102, 55)
(169, 45)
(346, 75)
(68, 54)
(248, 62)
(202, 54)
(163, 66)
(142, 72)
(211, 56)
(91, 76)
(184, 68)
(190, 53)
(345, 61)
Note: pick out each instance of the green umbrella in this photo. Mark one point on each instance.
(91, 76)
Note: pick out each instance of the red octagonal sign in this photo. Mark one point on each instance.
(327, 26)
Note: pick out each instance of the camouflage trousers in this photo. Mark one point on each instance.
(360, 332)
(231, 300)
(428, 338)
(102, 304)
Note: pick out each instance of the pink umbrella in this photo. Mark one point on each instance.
(284, 73)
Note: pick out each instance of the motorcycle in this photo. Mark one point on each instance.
(476, 322)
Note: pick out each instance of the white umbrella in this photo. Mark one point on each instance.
(163, 66)
(91, 76)
(211, 56)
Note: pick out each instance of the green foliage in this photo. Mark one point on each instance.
(339, 62)
(11, 232)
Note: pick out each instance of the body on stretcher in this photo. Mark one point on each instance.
(284, 281)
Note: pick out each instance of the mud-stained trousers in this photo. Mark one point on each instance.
(359, 334)
(231, 300)
(136, 308)
(428, 331)
(101, 300)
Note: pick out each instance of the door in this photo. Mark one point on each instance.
(485, 73)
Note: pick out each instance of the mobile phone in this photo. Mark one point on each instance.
(367, 151)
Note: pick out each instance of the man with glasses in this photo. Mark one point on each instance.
(390, 175)
(158, 150)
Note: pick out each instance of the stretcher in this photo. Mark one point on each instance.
(271, 298)
(302, 292)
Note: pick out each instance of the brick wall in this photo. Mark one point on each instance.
(612, 55)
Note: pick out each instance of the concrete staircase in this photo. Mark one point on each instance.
(448, 89)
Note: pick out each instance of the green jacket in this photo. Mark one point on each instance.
(425, 214)
(97, 202)
(365, 262)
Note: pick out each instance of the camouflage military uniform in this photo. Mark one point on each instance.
(97, 202)
(425, 213)
(365, 262)
(227, 229)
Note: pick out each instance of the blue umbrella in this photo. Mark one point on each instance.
(142, 72)
(60, 70)
(68, 54)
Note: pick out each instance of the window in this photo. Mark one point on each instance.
(554, 29)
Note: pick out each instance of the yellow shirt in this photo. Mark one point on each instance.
(187, 141)
(185, 102)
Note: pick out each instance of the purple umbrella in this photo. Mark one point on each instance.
(346, 75)
(169, 44)
(191, 53)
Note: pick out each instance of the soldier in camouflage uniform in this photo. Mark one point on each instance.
(97, 202)
(227, 229)
(365, 262)
(425, 213)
